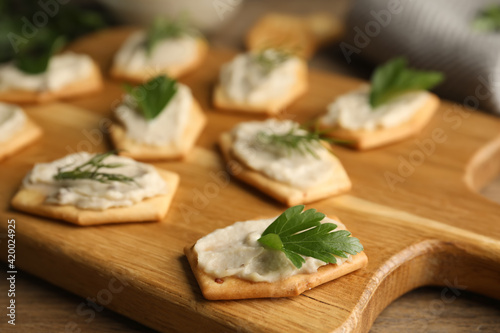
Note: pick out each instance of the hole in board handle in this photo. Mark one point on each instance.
(483, 172)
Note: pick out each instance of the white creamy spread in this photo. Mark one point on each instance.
(245, 81)
(353, 111)
(62, 70)
(91, 194)
(166, 128)
(169, 52)
(235, 251)
(293, 168)
(12, 120)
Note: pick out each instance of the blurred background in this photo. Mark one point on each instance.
(459, 37)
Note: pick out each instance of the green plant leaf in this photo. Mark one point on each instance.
(153, 96)
(34, 57)
(272, 241)
(394, 78)
(299, 233)
(68, 20)
(488, 20)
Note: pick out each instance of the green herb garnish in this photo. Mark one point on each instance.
(90, 170)
(297, 140)
(488, 20)
(395, 78)
(34, 57)
(21, 23)
(269, 59)
(297, 233)
(162, 28)
(152, 96)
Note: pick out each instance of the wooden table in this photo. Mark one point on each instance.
(45, 308)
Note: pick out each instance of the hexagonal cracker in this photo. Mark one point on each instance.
(148, 210)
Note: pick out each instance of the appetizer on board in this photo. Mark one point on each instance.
(276, 257)
(39, 75)
(89, 189)
(264, 81)
(159, 120)
(169, 47)
(16, 130)
(394, 106)
(286, 162)
(303, 34)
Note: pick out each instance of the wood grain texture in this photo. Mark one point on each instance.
(431, 229)
(43, 307)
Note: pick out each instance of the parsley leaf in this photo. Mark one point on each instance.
(162, 28)
(35, 56)
(488, 20)
(151, 97)
(68, 20)
(300, 233)
(395, 78)
(7, 25)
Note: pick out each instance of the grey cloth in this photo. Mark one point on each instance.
(433, 35)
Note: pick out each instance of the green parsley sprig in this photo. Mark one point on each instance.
(35, 55)
(395, 78)
(90, 170)
(488, 20)
(162, 28)
(299, 233)
(70, 20)
(151, 97)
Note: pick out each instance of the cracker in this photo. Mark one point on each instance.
(287, 194)
(301, 35)
(232, 287)
(21, 139)
(130, 148)
(272, 107)
(363, 139)
(173, 71)
(151, 209)
(325, 28)
(88, 85)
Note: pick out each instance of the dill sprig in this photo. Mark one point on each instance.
(163, 28)
(90, 170)
(269, 59)
(296, 140)
(302, 139)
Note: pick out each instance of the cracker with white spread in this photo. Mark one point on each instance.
(290, 176)
(17, 131)
(89, 189)
(169, 47)
(159, 120)
(235, 262)
(396, 105)
(261, 82)
(67, 75)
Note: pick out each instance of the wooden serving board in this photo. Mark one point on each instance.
(427, 227)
